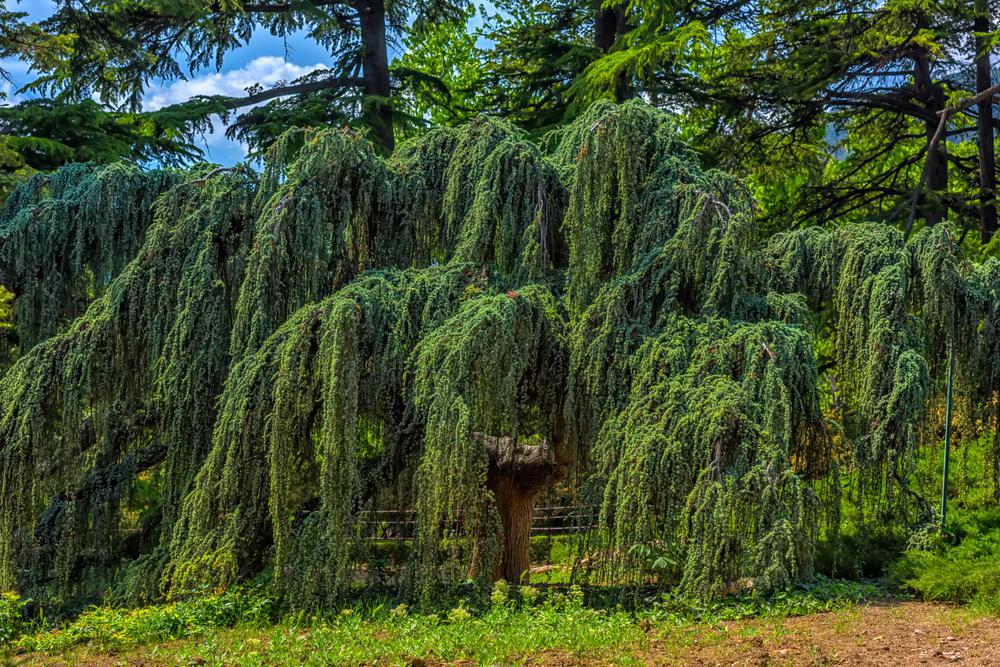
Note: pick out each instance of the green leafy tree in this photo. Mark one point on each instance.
(118, 48)
(539, 50)
(445, 68)
(833, 107)
(850, 110)
(42, 135)
(550, 60)
(19, 39)
(38, 136)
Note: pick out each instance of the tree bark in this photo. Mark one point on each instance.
(517, 476)
(987, 159)
(605, 28)
(515, 505)
(375, 72)
(936, 167)
(609, 24)
(295, 89)
(624, 90)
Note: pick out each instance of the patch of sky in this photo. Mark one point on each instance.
(265, 59)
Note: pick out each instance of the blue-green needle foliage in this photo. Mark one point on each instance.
(120, 392)
(65, 236)
(895, 307)
(281, 355)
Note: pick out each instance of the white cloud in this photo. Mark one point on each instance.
(264, 70)
(8, 93)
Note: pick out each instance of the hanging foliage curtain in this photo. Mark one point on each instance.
(231, 370)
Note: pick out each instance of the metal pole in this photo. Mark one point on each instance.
(947, 435)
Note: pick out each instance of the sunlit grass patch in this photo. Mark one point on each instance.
(242, 627)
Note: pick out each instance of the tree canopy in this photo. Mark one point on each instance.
(709, 269)
(118, 49)
(267, 359)
(831, 109)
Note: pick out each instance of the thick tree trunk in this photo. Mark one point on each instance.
(515, 505)
(517, 476)
(936, 169)
(610, 24)
(621, 19)
(375, 71)
(624, 90)
(987, 159)
(605, 29)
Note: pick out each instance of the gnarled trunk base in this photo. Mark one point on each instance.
(517, 476)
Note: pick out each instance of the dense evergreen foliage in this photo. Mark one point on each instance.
(454, 329)
(66, 235)
(833, 110)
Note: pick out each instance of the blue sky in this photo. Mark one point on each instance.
(265, 60)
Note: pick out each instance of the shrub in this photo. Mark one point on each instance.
(966, 572)
(820, 594)
(11, 618)
(501, 593)
(123, 628)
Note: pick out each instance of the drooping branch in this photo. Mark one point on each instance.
(448, 330)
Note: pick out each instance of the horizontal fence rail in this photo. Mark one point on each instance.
(400, 525)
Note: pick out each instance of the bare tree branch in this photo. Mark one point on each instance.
(294, 89)
(943, 117)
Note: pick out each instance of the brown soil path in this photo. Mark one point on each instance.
(897, 634)
(890, 634)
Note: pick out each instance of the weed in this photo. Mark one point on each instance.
(238, 627)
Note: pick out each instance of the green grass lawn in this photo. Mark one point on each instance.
(241, 627)
(244, 626)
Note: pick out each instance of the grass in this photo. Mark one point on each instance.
(963, 568)
(244, 627)
(11, 618)
(241, 627)
(116, 629)
(382, 636)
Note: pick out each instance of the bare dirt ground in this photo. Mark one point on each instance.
(897, 634)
